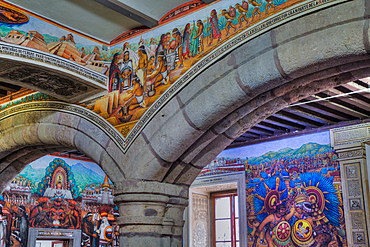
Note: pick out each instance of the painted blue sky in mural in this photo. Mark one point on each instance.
(43, 162)
(257, 150)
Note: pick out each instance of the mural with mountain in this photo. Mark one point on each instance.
(60, 193)
(83, 175)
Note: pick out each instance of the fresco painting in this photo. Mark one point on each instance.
(60, 194)
(293, 189)
(139, 69)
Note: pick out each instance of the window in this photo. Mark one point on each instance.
(225, 220)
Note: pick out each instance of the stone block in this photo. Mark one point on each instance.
(69, 120)
(46, 133)
(66, 135)
(175, 138)
(94, 132)
(323, 49)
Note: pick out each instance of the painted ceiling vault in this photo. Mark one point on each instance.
(137, 70)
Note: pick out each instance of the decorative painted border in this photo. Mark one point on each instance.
(36, 55)
(250, 33)
(91, 116)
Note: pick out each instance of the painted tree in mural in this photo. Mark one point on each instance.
(58, 176)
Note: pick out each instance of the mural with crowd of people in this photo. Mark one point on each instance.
(59, 193)
(293, 188)
(141, 67)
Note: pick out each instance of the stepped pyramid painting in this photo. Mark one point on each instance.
(33, 40)
(66, 47)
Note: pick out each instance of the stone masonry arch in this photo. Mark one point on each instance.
(311, 54)
(307, 55)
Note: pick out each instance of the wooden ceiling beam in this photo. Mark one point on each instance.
(354, 95)
(301, 120)
(330, 110)
(286, 123)
(345, 104)
(315, 114)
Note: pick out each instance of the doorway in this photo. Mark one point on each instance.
(54, 243)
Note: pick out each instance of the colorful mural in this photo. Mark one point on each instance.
(293, 189)
(59, 194)
(149, 66)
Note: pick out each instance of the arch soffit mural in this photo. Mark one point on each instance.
(210, 58)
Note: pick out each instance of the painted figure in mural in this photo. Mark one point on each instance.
(135, 97)
(72, 219)
(23, 226)
(38, 216)
(115, 228)
(159, 75)
(127, 70)
(243, 9)
(57, 213)
(132, 54)
(256, 10)
(105, 229)
(186, 42)
(114, 75)
(3, 229)
(160, 48)
(15, 240)
(176, 47)
(230, 16)
(199, 36)
(152, 47)
(140, 70)
(270, 4)
(215, 29)
(277, 221)
(194, 43)
(89, 236)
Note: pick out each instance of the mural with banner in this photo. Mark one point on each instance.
(60, 193)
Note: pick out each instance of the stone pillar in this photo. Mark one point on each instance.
(151, 213)
(349, 143)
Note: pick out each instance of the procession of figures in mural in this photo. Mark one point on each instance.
(142, 68)
(50, 193)
(293, 192)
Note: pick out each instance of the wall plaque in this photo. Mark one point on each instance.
(352, 171)
(354, 188)
(355, 204)
(357, 219)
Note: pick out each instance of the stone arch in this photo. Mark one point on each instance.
(306, 55)
(31, 130)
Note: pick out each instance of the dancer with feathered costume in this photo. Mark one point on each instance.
(271, 212)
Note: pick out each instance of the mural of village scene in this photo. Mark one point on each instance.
(19, 28)
(223, 165)
(142, 68)
(294, 193)
(60, 194)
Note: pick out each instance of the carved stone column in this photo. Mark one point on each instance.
(151, 213)
(349, 143)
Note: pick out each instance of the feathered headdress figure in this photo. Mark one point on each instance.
(268, 195)
(324, 198)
